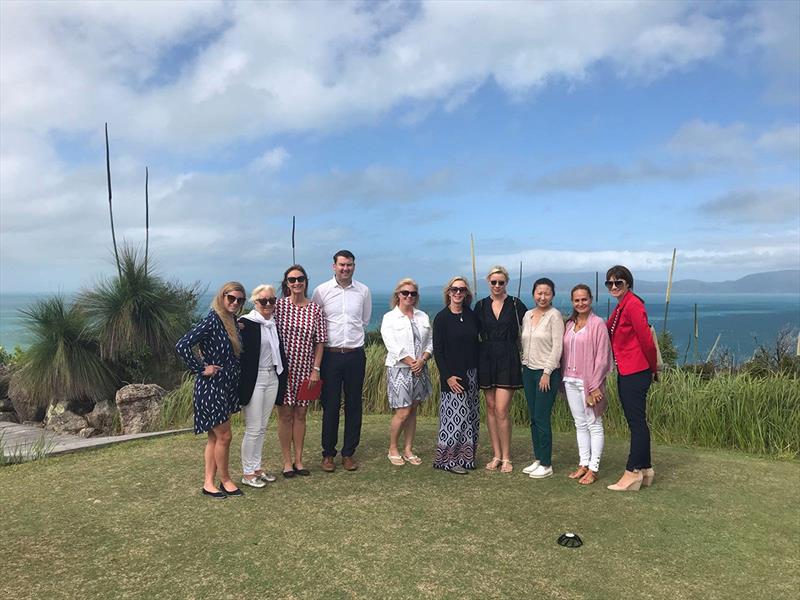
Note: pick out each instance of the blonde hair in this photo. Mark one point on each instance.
(401, 283)
(228, 320)
(498, 269)
(264, 287)
(467, 296)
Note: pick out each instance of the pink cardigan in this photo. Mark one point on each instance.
(587, 356)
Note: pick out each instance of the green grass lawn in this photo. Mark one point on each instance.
(128, 521)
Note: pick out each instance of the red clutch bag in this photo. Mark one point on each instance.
(306, 394)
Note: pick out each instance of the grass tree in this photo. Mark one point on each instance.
(63, 360)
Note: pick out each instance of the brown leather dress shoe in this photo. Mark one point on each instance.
(328, 465)
(349, 463)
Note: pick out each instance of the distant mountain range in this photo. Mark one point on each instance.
(772, 282)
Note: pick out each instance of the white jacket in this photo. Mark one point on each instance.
(399, 338)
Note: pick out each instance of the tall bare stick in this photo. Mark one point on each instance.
(669, 291)
(519, 287)
(596, 284)
(294, 262)
(110, 207)
(696, 333)
(714, 347)
(146, 215)
(474, 269)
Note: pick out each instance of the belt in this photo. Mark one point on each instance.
(343, 350)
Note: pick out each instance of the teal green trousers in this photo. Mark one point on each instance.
(540, 407)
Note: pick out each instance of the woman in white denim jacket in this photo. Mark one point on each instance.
(407, 334)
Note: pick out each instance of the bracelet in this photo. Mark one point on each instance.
(316, 369)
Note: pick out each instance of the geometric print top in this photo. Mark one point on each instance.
(215, 398)
(299, 328)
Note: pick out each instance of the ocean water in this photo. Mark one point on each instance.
(743, 321)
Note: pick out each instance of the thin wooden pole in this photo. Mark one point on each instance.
(669, 291)
(596, 284)
(519, 286)
(146, 215)
(294, 262)
(696, 333)
(714, 347)
(474, 269)
(110, 206)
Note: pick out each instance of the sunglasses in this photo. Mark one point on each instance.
(266, 301)
(407, 293)
(615, 283)
(458, 290)
(234, 299)
(497, 283)
(298, 279)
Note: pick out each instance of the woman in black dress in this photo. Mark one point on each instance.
(499, 369)
(216, 383)
(455, 348)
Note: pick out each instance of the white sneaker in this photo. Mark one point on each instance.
(531, 467)
(255, 482)
(540, 472)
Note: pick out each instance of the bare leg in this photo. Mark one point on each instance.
(491, 422)
(503, 422)
(396, 426)
(299, 434)
(210, 464)
(222, 450)
(410, 429)
(285, 420)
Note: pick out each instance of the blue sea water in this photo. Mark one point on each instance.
(743, 321)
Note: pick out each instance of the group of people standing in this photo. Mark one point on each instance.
(285, 348)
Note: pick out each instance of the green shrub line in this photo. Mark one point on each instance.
(731, 410)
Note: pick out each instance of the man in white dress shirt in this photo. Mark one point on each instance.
(347, 305)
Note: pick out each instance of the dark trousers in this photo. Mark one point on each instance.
(633, 397)
(540, 407)
(342, 372)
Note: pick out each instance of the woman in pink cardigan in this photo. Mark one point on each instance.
(585, 362)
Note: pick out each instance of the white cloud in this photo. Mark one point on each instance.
(271, 160)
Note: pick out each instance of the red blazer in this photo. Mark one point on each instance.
(631, 339)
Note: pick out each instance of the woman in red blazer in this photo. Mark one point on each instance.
(635, 355)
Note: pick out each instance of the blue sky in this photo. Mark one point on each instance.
(568, 135)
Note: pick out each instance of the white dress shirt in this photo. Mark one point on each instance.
(347, 312)
(398, 337)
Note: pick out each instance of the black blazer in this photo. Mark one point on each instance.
(251, 349)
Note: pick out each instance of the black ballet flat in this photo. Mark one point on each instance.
(289, 474)
(215, 495)
(236, 492)
(303, 472)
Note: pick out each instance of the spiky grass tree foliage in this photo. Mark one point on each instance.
(63, 361)
(138, 313)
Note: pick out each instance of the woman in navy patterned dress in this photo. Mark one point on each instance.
(303, 330)
(216, 383)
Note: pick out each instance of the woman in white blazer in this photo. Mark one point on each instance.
(406, 332)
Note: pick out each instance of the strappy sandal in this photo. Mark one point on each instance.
(507, 466)
(493, 464)
(589, 478)
(579, 472)
(413, 459)
(396, 460)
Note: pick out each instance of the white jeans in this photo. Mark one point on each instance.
(589, 429)
(256, 414)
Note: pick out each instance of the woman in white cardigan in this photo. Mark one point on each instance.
(407, 335)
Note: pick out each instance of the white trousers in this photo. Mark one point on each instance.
(589, 429)
(256, 414)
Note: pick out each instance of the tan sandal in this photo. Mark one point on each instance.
(589, 478)
(579, 472)
(396, 460)
(413, 459)
(493, 464)
(507, 466)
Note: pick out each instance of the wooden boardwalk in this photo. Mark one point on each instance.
(26, 442)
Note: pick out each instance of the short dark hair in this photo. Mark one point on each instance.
(285, 291)
(621, 272)
(344, 254)
(544, 281)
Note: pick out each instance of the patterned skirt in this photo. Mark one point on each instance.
(405, 388)
(459, 421)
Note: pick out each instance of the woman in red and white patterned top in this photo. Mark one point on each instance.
(303, 331)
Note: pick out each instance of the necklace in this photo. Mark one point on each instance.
(460, 314)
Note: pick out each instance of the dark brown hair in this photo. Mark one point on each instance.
(581, 286)
(285, 291)
(621, 272)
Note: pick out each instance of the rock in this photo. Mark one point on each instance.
(27, 408)
(102, 417)
(60, 419)
(8, 416)
(88, 432)
(139, 406)
(5, 378)
(5, 405)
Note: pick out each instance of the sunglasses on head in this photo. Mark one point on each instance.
(497, 283)
(407, 293)
(298, 279)
(614, 283)
(458, 290)
(266, 301)
(234, 299)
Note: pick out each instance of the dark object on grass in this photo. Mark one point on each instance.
(570, 540)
